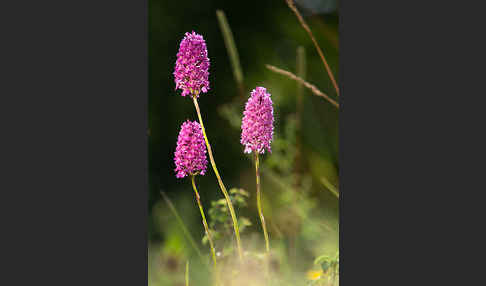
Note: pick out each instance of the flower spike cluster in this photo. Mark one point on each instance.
(192, 65)
(190, 154)
(257, 123)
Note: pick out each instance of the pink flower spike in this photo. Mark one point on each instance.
(257, 123)
(191, 70)
(190, 154)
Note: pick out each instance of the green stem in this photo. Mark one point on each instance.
(221, 185)
(330, 186)
(205, 223)
(259, 202)
(187, 273)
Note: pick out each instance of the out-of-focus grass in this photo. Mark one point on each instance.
(231, 48)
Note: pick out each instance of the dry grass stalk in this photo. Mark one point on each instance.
(291, 5)
(312, 87)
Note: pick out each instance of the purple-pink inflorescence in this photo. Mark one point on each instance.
(190, 154)
(257, 123)
(192, 65)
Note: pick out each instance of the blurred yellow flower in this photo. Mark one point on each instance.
(314, 274)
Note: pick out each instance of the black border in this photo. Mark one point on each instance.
(74, 101)
(74, 143)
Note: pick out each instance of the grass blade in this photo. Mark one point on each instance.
(231, 48)
(182, 225)
(330, 187)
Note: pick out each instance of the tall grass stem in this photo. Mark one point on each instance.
(231, 48)
(291, 5)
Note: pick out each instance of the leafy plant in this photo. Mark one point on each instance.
(220, 222)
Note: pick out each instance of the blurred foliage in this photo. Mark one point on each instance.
(299, 178)
(329, 272)
(221, 225)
